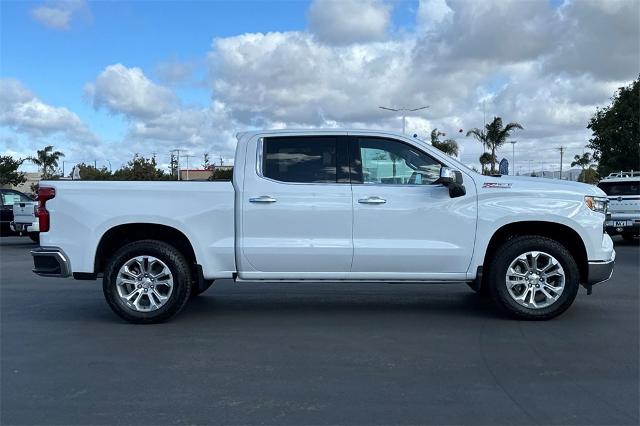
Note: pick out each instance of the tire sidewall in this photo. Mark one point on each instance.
(514, 248)
(176, 264)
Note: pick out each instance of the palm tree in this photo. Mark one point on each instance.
(448, 146)
(485, 159)
(584, 162)
(493, 136)
(47, 160)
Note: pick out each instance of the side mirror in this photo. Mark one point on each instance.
(453, 180)
(447, 176)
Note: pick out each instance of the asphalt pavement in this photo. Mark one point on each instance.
(315, 354)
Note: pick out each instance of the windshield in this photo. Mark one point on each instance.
(621, 188)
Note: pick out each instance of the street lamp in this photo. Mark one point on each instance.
(513, 155)
(404, 114)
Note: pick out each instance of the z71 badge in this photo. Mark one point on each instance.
(497, 185)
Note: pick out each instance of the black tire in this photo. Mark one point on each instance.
(198, 290)
(513, 248)
(35, 237)
(177, 264)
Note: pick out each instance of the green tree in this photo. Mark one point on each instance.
(485, 159)
(9, 174)
(448, 146)
(140, 168)
(616, 131)
(493, 136)
(47, 160)
(584, 162)
(222, 174)
(173, 165)
(589, 175)
(89, 172)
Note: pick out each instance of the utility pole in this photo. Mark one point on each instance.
(177, 151)
(187, 156)
(404, 112)
(221, 161)
(561, 149)
(513, 155)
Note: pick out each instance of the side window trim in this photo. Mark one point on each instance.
(355, 161)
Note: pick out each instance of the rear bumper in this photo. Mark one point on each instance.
(600, 271)
(50, 262)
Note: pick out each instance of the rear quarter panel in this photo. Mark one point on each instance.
(82, 212)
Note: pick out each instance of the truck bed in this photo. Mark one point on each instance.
(83, 211)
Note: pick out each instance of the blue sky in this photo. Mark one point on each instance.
(108, 79)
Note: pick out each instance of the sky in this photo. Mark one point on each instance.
(104, 80)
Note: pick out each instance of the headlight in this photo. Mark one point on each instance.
(597, 204)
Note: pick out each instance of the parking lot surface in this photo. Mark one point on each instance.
(315, 354)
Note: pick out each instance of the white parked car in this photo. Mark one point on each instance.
(333, 205)
(623, 190)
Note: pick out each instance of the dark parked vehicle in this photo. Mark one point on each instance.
(9, 197)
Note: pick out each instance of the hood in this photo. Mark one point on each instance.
(527, 183)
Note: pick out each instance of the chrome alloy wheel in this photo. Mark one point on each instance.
(144, 283)
(535, 279)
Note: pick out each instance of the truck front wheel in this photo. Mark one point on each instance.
(147, 282)
(533, 278)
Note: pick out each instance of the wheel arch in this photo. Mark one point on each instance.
(563, 234)
(119, 235)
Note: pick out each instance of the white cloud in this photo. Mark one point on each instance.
(175, 73)
(543, 66)
(349, 21)
(23, 112)
(128, 91)
(512, 54)
(59, 14)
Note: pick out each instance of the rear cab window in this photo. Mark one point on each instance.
(304, 159)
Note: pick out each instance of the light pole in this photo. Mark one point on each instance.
(513, 155)
(404, 112)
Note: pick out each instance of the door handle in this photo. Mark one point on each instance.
(372, 200)
(262, 199)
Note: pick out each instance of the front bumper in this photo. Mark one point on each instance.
(625, 226)
(50, 262)
(600, 271)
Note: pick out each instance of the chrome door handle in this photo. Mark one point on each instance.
(262, 199)
(372, 200)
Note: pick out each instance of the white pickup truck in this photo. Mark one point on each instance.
(334, 205)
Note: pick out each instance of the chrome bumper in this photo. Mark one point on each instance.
(600, 271)
(50, 262)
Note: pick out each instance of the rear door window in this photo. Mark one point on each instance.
(300, 159)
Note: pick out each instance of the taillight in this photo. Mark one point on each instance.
(45, 193)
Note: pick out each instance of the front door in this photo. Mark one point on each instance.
(406, 226)
(296, 209)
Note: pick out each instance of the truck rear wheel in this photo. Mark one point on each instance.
(533, 278)
(147, 282)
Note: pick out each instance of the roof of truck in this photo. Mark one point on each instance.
(250, 133)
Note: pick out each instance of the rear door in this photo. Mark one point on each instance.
(405, 225)
(296, 209)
